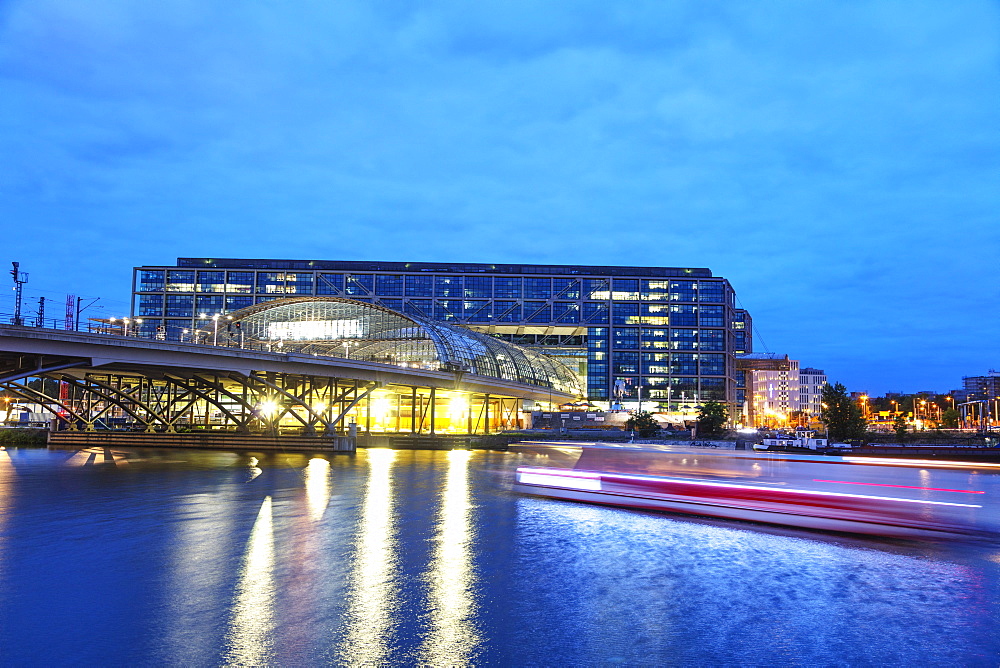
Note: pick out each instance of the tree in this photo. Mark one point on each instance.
(643, 424)
(950, 418)
(899, 426)
(712, 417)
(842, 415)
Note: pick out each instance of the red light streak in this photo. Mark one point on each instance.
(878, 484)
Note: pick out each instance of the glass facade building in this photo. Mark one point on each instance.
(666, 334)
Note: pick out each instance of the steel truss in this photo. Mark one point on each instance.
(168, 402)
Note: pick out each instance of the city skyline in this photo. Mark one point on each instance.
(838, 167)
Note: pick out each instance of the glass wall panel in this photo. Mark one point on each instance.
(150, 305)
(711, 291)
(566, 288)
(624, 313)
(478, 287)
(358, 285)
(626, 337)
(683, 291)
(656, 290)
(389, 286)
(210, 304)
(566, 312)
(625, 288)
(151, 280)
(447, 309)
(236, 302)
(180, 305)
(506, 287)
(595, 313)
(329, 284)
(477, 310)
(211, 281)
(240, 282)
(537, 311)
(537, 288)
(505, 311)
(712, 339)
(448, 286)
(596, 288)
(180, 281)
(684, 315)
(712, 365)
(419, 307)
(419, 286)
(711, 316)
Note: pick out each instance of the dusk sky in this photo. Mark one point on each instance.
(838, 162)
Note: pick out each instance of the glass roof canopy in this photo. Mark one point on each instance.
(337, 327)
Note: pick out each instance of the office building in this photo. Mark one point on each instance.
(672, 331)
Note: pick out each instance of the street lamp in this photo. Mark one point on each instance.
(215, 334)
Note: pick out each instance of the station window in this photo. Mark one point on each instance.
(684, 364)
(329, 284)
(478, 287)
(180, 305)
(236, 302)
(150, 305)
(566, 288)
(712, 339)
(419, 286)
(712, 316)
(448, 286)
(595, 313)
(240, 282)
(683, 291)
(625, 313)
(596, 288)
(538, 288)
(625, 289)
(506, 311)
(537, 311)
(712, 365)
(566, 312)
(655, 290)
(711, 291)
(180, 281)
(389, 286)
(423, 308)
(151, 281)
(506, 287)
(357, 285)
(682, 314)
(626, 337)
(477, 310)
(211, 281)
(447, 309)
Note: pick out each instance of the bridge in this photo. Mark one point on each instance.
(94, 383)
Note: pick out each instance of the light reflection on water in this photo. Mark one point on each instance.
(427, 558)
(252, 621)
(453, 637)
(372, 600)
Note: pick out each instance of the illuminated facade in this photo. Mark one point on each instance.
(771, 385)
(673, 332)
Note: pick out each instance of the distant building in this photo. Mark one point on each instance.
(811, 383)
(771, 388)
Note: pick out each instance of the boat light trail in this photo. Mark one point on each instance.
(879, 484)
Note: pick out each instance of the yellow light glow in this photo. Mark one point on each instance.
(372, 595)
(453, 635)
(380, 407)
(458, 407)
(317, 487)
(268, 407)
(252, 621)
(319, 408)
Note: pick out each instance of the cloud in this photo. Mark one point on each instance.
(836, 163)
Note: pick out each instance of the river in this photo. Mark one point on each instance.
(199, 558)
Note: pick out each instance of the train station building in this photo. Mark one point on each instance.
(667, 336)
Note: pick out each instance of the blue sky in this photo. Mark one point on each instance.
(838, 162)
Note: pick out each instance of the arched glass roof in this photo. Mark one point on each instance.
(339, 327)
